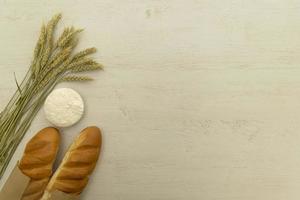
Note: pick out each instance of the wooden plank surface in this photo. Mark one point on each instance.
(199, 99)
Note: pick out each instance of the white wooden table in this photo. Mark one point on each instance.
(199, 99)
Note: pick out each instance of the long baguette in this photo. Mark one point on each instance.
(78, 163)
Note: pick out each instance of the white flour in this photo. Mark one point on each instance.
(64, 107)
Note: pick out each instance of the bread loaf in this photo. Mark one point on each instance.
(78, 163)
(37, 161)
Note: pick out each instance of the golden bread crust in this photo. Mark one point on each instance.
(37, 161)
(78, 163)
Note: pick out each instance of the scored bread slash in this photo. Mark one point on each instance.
(72, 175)
(37, 161)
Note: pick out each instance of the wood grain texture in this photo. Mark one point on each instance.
(199, 99)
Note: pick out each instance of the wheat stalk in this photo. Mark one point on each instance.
(77, 78)
(52, 63)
